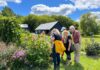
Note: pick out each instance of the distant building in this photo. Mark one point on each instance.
(47, 27)
(24, 26)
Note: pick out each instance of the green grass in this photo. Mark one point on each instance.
(86, 63)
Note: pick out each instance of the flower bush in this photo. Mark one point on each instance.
(18, 59)
(20, 54)
(31, 54)
(6, 52)
(93, 49)
(38, 53)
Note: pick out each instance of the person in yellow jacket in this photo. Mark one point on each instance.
(57, 48)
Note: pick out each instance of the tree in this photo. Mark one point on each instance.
(20, 19)
(88, 24)
(7, 12)
(65, 21)
(34, 20)
(31, 21)
(9, 30)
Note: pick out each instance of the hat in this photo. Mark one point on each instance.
(63, 28)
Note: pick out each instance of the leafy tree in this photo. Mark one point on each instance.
(34, 20)
(9, 30)
(65, 21)
(20, 19)
(88, 24)
(31, 21)
(7, 12)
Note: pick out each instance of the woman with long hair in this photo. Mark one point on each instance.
(57, 48)
(67, 40)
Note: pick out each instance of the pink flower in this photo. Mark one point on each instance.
(19, 54)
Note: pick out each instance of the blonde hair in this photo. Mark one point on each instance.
(64, 35)
(55, 31)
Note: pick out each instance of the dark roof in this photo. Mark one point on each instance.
(46, 26)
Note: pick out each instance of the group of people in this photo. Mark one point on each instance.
(66, 41)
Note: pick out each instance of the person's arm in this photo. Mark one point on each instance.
(69, 46)
(79, 37)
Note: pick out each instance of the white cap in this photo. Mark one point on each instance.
(63, 28)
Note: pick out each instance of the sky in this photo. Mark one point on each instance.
(71, 8)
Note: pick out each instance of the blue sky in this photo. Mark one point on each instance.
(72, 8)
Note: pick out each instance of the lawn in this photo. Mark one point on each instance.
(86, 62)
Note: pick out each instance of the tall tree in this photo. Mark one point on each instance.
(88, 24)
(65, 21)
(7, 12)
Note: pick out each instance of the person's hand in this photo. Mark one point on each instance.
(62, 54)
(68, 49)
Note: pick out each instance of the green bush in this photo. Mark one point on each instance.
(93, 49)
(38, 53)
(34, 55)
(25, 39)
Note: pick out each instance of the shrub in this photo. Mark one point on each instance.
(25, 39)
(93, 49)
(38, 53)
(9, 30)
(18, 59)
(5, 54)
(34, 55)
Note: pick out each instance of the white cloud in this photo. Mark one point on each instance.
(16, 1)
(64, 9)
(86, 4)
(96, 13)
(5, 2)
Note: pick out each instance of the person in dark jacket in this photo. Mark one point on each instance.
(67, 40)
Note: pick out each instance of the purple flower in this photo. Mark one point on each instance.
(19, 54)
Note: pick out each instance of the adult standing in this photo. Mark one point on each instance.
(76, 40)
(57, 48)
(67, 40)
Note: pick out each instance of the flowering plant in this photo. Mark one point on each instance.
(20, 54)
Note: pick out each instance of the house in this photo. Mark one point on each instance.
(24, 26)
(47, 27)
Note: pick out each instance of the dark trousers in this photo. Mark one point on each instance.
(56, 60)
(68, 53)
